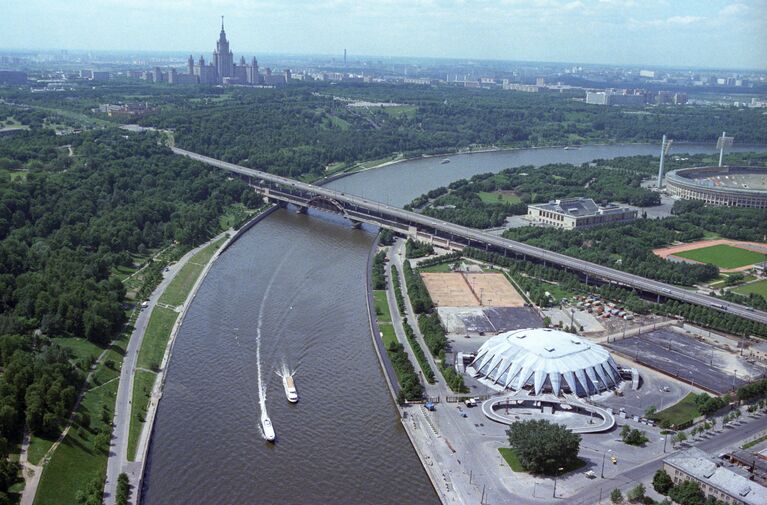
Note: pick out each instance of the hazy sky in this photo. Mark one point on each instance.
(710, 33)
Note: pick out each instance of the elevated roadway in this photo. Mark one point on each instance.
(452, 235)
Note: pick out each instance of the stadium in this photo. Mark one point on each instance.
(730, 186)
(545, 360)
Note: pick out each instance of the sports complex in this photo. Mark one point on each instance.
(730, 186)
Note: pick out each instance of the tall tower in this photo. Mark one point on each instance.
(223, 59)
(190, 65)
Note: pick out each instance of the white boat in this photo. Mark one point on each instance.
(266, 425)
(445, 161)
(290, 388)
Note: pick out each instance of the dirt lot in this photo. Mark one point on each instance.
(471, 290)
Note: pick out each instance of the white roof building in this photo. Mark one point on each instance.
(546, 361)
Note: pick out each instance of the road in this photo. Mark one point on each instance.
(729, 438)
(382, 214)
(117, 461)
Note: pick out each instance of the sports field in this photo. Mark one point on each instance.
(728, 255)
(723, 256)
(456, 289)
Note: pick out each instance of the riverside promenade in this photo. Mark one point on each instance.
(119, 460)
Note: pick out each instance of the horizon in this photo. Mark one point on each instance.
(726, 35)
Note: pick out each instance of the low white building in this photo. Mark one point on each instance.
(714, 480)
(571, 213)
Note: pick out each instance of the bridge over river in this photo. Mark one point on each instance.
(452, 236)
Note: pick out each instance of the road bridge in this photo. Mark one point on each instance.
(452, 236)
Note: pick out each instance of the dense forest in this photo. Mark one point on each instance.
(66, 222)
(303, 128)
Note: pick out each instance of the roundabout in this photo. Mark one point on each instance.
(578, 417)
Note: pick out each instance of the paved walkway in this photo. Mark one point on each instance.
(118, 461)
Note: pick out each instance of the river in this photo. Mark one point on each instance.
(343, 442)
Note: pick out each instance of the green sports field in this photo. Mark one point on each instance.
(723, 256)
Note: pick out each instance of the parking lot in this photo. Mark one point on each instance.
(687, 359)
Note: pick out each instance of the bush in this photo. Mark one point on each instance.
(633, 436)
(416, 289)
(415, 249)
(616, 496)
(661, 482)
(378, 275)
(636, 494)
(687, 493)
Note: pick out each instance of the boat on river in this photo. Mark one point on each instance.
(266, 425)
(445, 161)
(290, 388)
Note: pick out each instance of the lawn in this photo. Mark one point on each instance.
(723, 256)
(398, 110)
(156, 337)
(759, 287)
(77, 461)
(80, 348)
(38, 447)
(234, 214)
(749, 445)
(511, 458)
(439, 267)
(382, 306)
(499, 197)
(143, 382)
(177, 291)
(387, 330)
(680, 413)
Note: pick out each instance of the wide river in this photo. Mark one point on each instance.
(301, 280)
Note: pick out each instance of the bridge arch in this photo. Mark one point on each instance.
(328, 204)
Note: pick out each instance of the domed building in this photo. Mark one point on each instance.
(545, 360)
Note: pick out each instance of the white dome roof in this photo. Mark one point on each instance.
(546, 360)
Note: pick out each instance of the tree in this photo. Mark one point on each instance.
(543, 447)
(616, 496)
(662, 482)
(123, 489)
(680, 437)
(636, 493)
(633, 436)
(687, 493)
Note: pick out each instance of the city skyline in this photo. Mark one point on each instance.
(719, 34)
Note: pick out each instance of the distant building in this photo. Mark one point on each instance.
(714, 479)
(613, 97)
(222, 69)
(100, 76)
(650, 74)
(86, 74)
(12, 77)
(527, 88)
(128, 109)
(157, 75)
(571, 213)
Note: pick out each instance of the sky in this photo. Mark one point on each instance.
(679, 33)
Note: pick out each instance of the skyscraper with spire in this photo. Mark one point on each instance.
(223, 58)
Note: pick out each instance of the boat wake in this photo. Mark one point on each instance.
(267, 431)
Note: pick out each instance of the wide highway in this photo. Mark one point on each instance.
(592, 269)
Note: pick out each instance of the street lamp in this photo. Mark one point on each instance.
(665, 440)
(604, 455)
